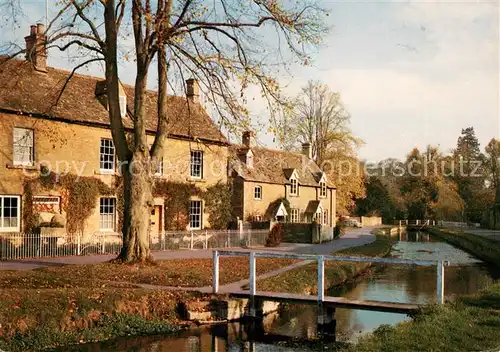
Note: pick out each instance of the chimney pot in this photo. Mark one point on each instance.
(246, 138)
(193, 90)
(33, 29)
(307, 150)
(40, 28)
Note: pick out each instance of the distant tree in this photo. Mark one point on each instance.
(318, 116)
(469, 174)
(493, 166)
(378, 201)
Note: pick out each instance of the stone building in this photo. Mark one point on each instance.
(69, 133)
(279, 186)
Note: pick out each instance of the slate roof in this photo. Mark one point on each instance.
(26, 91)
(274, 166)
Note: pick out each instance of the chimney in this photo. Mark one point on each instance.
(246, 138)
(193, 90)
(307, 150)
(36, 52)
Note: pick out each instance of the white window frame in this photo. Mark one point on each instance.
(257, 193)
(107, 219)
(123, 105)
(16, 228)
(23, 146)
(195, 215)
(324, 220)
(294, 187)
(196, 161)
(109, 151)
(159, 168)
(294, 215)
(322, 190)
(257, 218)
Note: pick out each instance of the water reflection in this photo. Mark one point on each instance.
(412, 284)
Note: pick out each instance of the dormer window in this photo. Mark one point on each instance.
(294, 187)
(123, 105)
(322, 191)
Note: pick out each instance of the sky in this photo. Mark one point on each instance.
(410, 73)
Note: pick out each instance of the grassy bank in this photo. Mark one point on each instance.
(59, 306)
(483, 248)
(304, 279)
(471, 323)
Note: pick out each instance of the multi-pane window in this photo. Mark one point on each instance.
(325, 217)
(23, 147)
(294, 216)
(257, 193)
(159, 168)
(107, 212)
(195, 215)
(9, 213)
(107, 155)
(294, 187)
(196, 163)
(257, 218)
(322, 192)
(123, 105)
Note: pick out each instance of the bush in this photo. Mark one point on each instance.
(275, 236)
(337, 231)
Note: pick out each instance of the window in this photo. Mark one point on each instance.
(23, 147)
(107, 211)
(123, 105)
(195, 215)
(257, 193)
(107, 154)
(257, 218)
(322, 192)
(294, 187)
(295, 215)
(9, 213)
(196, 163)
(325, 217)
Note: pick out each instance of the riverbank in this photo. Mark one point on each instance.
(471, 323)
(486, 249)
(304, 279)
(60, 306)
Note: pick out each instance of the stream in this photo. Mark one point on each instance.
(396, 283)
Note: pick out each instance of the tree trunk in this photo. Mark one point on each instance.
(138, 202)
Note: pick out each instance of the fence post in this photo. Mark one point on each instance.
(252, 274)
(79, 244)
(399, 223)
(215, 272)
(206, 239)
(192, 240)
(321, 278)
(103, 244)
(440, 282)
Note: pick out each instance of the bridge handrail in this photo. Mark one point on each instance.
(280, 255)
(320, 259)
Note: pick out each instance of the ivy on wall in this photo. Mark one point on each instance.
(79, 196)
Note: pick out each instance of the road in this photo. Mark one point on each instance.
(352, 238)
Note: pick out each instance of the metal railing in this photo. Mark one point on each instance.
(320, 259)
(14, 246)
(415, 222)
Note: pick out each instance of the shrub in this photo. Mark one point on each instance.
(275, 236)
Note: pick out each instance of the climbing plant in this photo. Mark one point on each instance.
(218, 205)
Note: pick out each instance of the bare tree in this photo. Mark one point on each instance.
(219, 44)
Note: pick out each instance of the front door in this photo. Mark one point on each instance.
(156, 225)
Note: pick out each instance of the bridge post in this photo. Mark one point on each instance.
(440, 282)
(321, 278)
(215, 272)
(327, 323)
(252, 274)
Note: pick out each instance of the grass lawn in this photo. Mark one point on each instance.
(59, 306)
(472, 323)
(182, 273)
(304, 280)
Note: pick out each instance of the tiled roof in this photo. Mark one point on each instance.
(274, 166)
(26, 91)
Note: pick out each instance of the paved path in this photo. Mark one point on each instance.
(491, 234)
(354, 237)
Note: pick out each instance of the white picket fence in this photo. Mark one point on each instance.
(15, 246)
